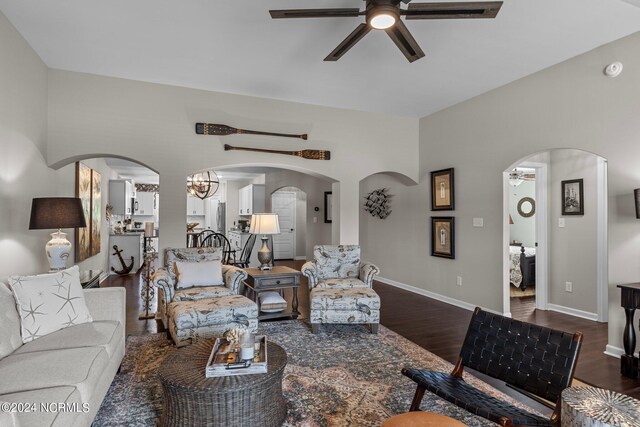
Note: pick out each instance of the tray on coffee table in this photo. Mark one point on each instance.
(225, 359)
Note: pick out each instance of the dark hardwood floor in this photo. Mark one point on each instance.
(438, 327)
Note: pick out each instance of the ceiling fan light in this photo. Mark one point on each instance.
(382, 21)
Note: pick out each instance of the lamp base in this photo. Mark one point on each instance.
(58, 250)
(264, 255)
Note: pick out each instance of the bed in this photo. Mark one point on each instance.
(523, 266)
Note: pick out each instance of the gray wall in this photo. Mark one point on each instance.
(24, 173)
(570, 105)
(572, 249)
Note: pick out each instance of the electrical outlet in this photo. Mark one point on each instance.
(561, 222)
(568, 286)
(459, 280)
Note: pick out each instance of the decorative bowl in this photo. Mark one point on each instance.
(192, 225)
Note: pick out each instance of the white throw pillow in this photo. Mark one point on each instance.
(49, 302)
(272, 302)
(205, 273)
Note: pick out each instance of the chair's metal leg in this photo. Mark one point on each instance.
(417, 398)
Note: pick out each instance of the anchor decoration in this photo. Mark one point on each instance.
(125, 268)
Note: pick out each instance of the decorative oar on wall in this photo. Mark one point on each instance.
(223, 130)
(305, 154)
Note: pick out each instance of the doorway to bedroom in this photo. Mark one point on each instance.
(564, 192)
(522, 237)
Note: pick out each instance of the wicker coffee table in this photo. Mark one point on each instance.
(191, 399)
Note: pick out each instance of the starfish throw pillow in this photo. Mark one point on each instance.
(49, 302)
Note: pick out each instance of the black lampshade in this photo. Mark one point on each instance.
(636, 196)
(56, 212)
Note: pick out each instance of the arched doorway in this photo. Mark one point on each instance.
(566, 224)
(128, 200)
(267, 185)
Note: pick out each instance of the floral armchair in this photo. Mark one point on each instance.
(164, 279)
(341, 287)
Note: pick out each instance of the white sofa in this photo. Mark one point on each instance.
(73, 366)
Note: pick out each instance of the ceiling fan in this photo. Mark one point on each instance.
(517, 177)
(385, 15)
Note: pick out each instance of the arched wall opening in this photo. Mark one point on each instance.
(399, 239)
(566, 252)
(29, 176)
(308, 189)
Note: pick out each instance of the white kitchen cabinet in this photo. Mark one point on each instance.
(132, 245)
(251, 199)
(120, 195)
(195, 206)
(144, 203)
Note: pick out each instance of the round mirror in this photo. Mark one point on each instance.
(526, 207)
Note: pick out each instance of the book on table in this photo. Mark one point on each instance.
(225, 359)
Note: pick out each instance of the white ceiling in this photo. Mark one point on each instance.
(234, 46)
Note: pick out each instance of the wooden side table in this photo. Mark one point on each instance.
(629, 300)
(276, 279)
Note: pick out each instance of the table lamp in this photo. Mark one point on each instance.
(264, 223)
(57, 212)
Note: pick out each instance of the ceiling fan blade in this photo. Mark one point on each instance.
(353, 38)
(401, 36)
(313, 13)
(461, 10)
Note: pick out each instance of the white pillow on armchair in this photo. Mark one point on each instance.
(204, 273)
(49, 302)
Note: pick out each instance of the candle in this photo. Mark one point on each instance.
(148, 229)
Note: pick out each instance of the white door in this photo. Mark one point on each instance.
(283, 203)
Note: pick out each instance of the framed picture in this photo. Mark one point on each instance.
(96, 212)
(443, 237)
(573, 197)
(328, 205)
(442, 190)
(88, 190)
(83, 191)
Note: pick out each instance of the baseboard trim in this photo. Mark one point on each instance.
(573, 312)
(614, 351)
(433, 295)
(103, 277)
(300, 258)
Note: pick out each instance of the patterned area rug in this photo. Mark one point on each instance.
(344, 376)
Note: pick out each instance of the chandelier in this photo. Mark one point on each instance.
(203, 184)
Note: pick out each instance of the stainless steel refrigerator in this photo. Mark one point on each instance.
(220, 218)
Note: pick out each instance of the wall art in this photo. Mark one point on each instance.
(83, 191)
(443, 237)
(328, 205)
(378, 203)
(442, 194)
(573, 197)
(88, 189)
(96, 211)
